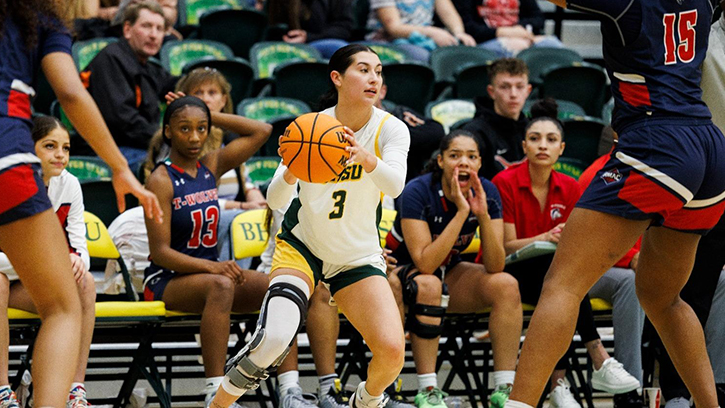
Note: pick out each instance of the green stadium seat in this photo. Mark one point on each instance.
(543, 59)
(303, 80)
(191, 10)
(472, 81)
(450, 111)
(84, 51)
(581, 82)
(89, 168)
(567, 109)
(237, 71)
(268, 109)
(582, 135)
(409, 84)
(389, 53)
(569, 166)
(239, 29)
(266, 56)
(446, 60)
(176, 54)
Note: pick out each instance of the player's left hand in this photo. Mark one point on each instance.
(477, 197)
(358, 154)
(390, 262)
(78, 267)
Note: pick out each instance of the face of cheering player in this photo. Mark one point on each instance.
(188, 129)
(361, 81)
(53, 150)
(509, 93)
(212, 94)
(146, 35)
(462, 153)
(543, 143)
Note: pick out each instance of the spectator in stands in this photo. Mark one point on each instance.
(536, 204)
(498, 120)
(52, 146)
(437, 217)
(505, 26)
(184, 270)
(170, 11)
(126, 86)
(425, 134)
(409, 23)
(324, 24)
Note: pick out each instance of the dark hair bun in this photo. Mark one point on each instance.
(546, 108)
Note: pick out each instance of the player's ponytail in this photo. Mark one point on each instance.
(546, 110)
(340, 61)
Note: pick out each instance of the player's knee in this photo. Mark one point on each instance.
(652, 300)
(430, 288)
(220, 290)
(392, 351)
(505, 287)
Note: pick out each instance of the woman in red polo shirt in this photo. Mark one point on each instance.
(536, 204)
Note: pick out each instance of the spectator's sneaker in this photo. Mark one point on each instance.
(77, 398)
(613, 378)
(561, 397)
(8, 398)
(678, 402)
(356, 401)
(630, 399)
(431, 397)
(336, 397)
(295, 398)
(395, 398)
(500, 395)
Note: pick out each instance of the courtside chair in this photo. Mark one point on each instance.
(249, 234)
(176, 54)
(449, 111)
(191, 10)
(542, 59)
(237, 71)
(409, 84)
(446, 60)
(581, 82)
(84, 51)
(471, 81)
(582, 135)
(303, 80)
(389, 53)
(239, 29)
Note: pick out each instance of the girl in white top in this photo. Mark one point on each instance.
(52, 146)
(330, 234)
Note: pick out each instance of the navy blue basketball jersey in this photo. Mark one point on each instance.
(194, 212)
(653, 50)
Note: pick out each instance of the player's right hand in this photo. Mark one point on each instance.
(124, 182)
(230, 269)
(459, 199)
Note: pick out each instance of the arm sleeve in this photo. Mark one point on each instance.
(412, 202)
(530, 14)
(493, 199)
(58, 40)
(609, 8)
(279, 192)
(338, 23)
(113, 92)
(76, 228)
(474, 25)
(394, 142)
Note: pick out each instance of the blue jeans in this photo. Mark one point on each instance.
(328, 46)
(496, 46)
(134, 156)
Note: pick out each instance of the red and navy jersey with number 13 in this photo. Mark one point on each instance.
(653, 50)
(194, 212)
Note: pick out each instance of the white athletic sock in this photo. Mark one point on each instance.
(365, 398)
(283, 318)
(427, 380)
(516, 404)
(503, 378)
(288, 380)
(212, 384)
(326, 383)
(75, 384)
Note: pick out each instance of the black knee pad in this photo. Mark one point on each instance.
(410, 294)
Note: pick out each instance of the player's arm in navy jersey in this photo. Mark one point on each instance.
(626, 15)
(253, 135)
(160, 237)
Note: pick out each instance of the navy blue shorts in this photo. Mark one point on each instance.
(155, 284)
(668, 170)
(24, 194)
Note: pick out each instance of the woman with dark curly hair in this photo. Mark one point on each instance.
(32, 33)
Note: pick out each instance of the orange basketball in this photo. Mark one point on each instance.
(313, 148)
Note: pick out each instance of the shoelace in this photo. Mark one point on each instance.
(435, 395)
(8, 399)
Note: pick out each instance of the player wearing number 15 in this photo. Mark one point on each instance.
(330, 233)
(184, 270)
(668, 170)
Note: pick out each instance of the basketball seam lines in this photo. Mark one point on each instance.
(319, 148)
(309, 153)
(301, 145)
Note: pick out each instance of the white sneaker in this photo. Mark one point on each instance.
(613, 378)
(561, 397)
(678, 402)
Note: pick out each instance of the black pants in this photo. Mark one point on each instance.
(530, 273)
(698, 293)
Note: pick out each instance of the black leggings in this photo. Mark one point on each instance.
(530, 273)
